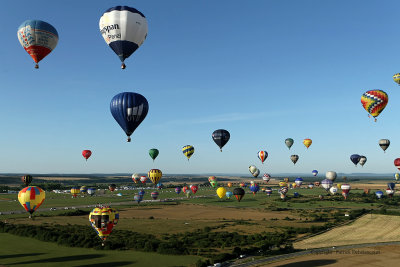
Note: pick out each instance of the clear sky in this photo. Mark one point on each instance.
(263, 70)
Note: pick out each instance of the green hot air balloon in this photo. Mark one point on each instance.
(289, 142)
(153, 153)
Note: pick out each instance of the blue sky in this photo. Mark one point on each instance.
(263, 70)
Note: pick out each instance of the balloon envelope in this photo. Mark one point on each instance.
(31, 198)
(86, 154)
(294, 158)
(38, 38)
(103, 220)
(314, 172)
(374, 102)
(289, 142)
(221, 137)
(188, 151)
(331, 175)
(129, 110)
(26, 179)
(307, 142)
(363, 160)
(221, 192)
(154, 175)
(238, 193)
(262, 155)
(153, 153)
(355, 158)
(384, 144)
(124, 29)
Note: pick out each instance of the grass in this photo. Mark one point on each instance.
(22, 251)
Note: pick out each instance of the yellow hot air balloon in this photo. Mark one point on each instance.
(31, 198)
(75, 191)
(396, 78)
(307, 142)
(282, 184)
(294, 185)
(103, 220)
(221, 192)
(188, 151)
(154, 175)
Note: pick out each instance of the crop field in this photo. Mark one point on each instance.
(22, 251)
(367, 229)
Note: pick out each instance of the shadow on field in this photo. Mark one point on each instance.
(108, 264)
(309, 263)
(62, 259)
(20, 255)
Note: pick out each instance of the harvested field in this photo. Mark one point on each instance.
(367, 229)
(366, 256)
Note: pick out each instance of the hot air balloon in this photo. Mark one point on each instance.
(188, 151)
(229, 184)
(26, 179)
(75, 191)
(221, 192)
(321, 197)
(256, 173)
(326, 184)
(379, 194)
(283, 191)
(292, 185)
(154, 175)
(188, 193)
(294, 158)
(396, 176)
(282, 184)
(268, 190)
(143, 179)
(238, 193)
(298, 181)
(112, 187)
(243, 185)
(154, 195)
(137, 198)
(384, 144)
(31, 198)
(194, 188)
(389, 192)
(141, 192)
(153, 153)
(391, 185)
(314, 172)
(213, 181)
(296, 194)
(129, 110)
(363, 160)
(159, 186)
(289, 142)
(366, 191)
(333, 190)
(317, 183)
(262, 155)
(397, 163)
(396, 78)
(83, 189)
(38, 38)
(178, 190)
(286, 180)
(184, 189)
(252, 168)
(266, 177)
(374, 102)
(136, 177)
(345, 190)
(91, 191)
(221, 137)
(331, 175)
(86, 154)
(103, 220)
(311, 186)
(254, 188)
(307, 142)
(229, 194)
(124, 29)
(355, 158)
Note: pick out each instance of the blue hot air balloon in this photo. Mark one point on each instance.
(141, 192)
(391, 186)
(379, 194)
(228, 194)
(178, 190)
(129, 110)
(124, 29)
(355, 158)
(314, 172)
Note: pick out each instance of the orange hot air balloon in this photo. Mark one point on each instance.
(229, 184)
(307, 142)
(374, 102)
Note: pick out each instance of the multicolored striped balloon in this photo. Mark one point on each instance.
(262, 155)
(374, 102)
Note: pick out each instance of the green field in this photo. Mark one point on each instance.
(22, 251)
